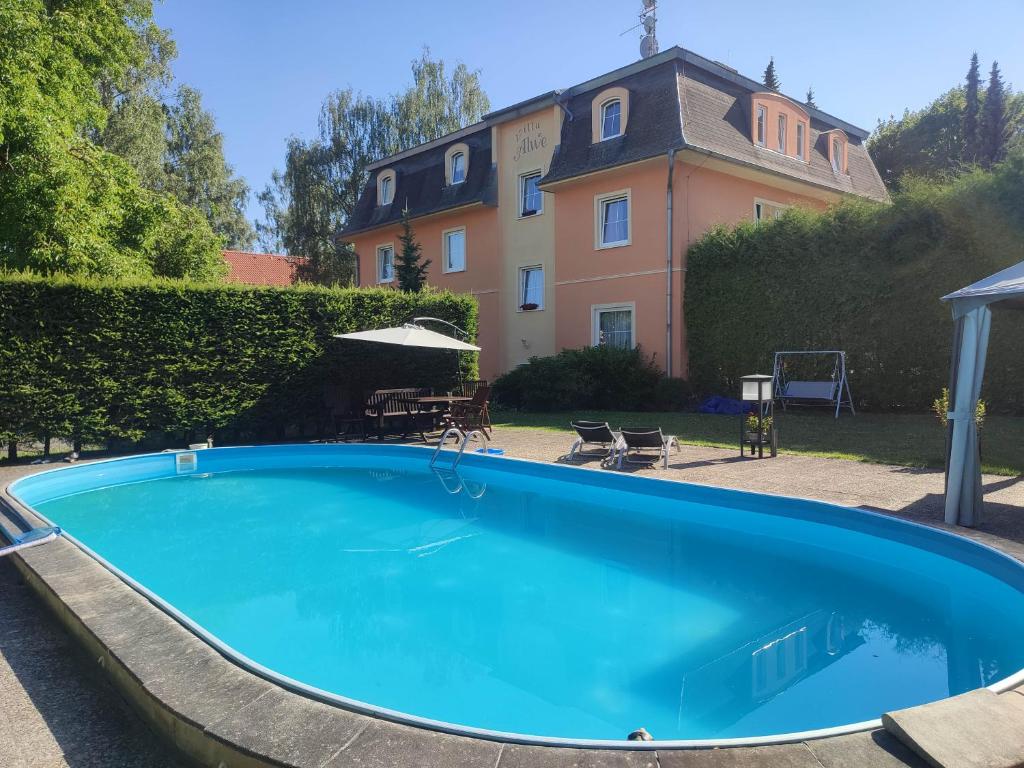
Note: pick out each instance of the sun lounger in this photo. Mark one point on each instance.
(639, 439)
(593, 433)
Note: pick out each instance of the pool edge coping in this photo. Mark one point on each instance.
(134, 685)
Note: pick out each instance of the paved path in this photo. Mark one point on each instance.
(912, 493)
(55, 709)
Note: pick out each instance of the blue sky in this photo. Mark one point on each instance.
(264, 67)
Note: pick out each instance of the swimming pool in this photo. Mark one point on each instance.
(547, 602)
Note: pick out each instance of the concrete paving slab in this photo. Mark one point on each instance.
(780, 756)
(285, 729)
(879, 749)
(979, 729)
(519, 756)
(384, 744)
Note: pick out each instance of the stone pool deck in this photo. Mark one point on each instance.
(57, 707)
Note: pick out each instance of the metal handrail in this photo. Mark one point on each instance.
(444, 439)
(32, 538)
(465, 441)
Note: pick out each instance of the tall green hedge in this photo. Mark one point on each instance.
(865, 278)
(89, 359)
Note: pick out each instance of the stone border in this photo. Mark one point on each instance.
(218, 714)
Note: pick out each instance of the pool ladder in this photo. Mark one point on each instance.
(459, 435)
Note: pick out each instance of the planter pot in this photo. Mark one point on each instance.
(758, 437)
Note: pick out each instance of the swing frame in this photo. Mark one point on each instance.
(839, 392)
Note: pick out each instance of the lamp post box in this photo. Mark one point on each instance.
(758, 426)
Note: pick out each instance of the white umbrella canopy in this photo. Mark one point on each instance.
(410, 335)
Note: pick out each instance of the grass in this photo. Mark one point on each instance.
(912, 440)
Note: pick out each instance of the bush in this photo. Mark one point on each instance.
(865, 278)
(597, 378)
(93, 359)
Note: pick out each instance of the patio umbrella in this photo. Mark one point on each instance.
(410, 335)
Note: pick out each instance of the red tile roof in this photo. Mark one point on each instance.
(262, 268)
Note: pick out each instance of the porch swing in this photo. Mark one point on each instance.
(833, 392)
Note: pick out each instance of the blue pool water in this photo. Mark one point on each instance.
(548, 600)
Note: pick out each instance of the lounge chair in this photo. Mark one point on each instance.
(638, 439)
(593, 433)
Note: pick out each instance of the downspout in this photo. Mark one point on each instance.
(669, 195)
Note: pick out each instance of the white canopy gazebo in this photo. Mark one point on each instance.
(972, 313)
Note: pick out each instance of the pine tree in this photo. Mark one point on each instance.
(969, 124)
(411, 273)
(993, 119)
(810, 98)
(771, 80)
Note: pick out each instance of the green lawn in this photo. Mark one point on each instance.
(914, 440)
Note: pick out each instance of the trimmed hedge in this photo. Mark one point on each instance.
(92, 360)
(590, 378)
(865, 278)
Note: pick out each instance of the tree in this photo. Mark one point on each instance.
(67, 204)
(197, 173)
(306, 205)
(771, 80)
(971, 149)
(810, 99)
(993, 127)
(930, 142)
(170, 140)
(408, 267)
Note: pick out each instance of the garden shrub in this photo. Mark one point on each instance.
(865, 278)
(92, 359)
(598, 378)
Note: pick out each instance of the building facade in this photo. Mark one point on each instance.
(568, 216)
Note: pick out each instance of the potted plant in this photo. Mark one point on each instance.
(758, 431)
(941, 408)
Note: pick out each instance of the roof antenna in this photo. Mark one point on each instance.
(649, 23)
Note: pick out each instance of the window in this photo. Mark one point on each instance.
(455, 250)
(385, 263)
(458, 168)
(800, 134)
(611, 119)
(531, 199)
(765, 210)
(837, 155)
(613, 325)
(782, 134)
(762, 120)
(613, 220)
(387, 190)
(531, 288)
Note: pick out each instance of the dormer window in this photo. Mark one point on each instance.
(609, 114)
(801, 138)
(385, 187)
(456, 164)
(458, 167)
(762, 128)
(837, 155)
(782, 134)
(611, 119)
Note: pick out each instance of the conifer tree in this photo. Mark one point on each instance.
(411, 273)
(810, 98)
(972, 107)
(993, 119)
(771, 80)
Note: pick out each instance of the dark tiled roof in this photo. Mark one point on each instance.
(652, 128)
(678, 99)
(716, 118)
(262, 268)
(420, 185)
